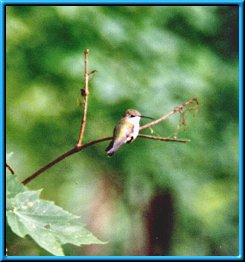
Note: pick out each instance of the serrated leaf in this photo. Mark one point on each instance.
(44, 238)
(17, 227)
(49, 225)
(29, 206)
(76, 234)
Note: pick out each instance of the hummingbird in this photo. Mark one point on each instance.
(126, 130)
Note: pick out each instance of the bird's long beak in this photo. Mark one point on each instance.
(147, 117)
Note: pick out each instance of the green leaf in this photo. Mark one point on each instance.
(76, 234)
(49, 225)
(17, 227)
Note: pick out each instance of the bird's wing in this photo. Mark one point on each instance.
(116, 144)
(130, 130)
(127, 130)
(120, 136)
(129, 134)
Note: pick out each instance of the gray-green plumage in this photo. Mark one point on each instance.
(126, 130)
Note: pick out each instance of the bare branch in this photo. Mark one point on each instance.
(175, 110)
(85, 95)
(165, 138)
(83, 146)
(63, 156)
(10, 169)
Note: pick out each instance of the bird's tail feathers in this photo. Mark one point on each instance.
(109, 146)
(113, 147)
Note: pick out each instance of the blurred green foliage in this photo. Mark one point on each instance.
(151, 58)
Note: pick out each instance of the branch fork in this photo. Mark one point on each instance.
(80, 146)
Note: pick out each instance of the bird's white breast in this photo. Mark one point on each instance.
(136, 122)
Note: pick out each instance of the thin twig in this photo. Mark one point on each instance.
(175, 110)
(85, 103)
(83, 146)
(165, 138)
(10, 169)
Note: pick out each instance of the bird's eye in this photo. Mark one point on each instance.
(132, 116)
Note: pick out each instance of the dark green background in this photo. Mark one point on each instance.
(151, 198)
